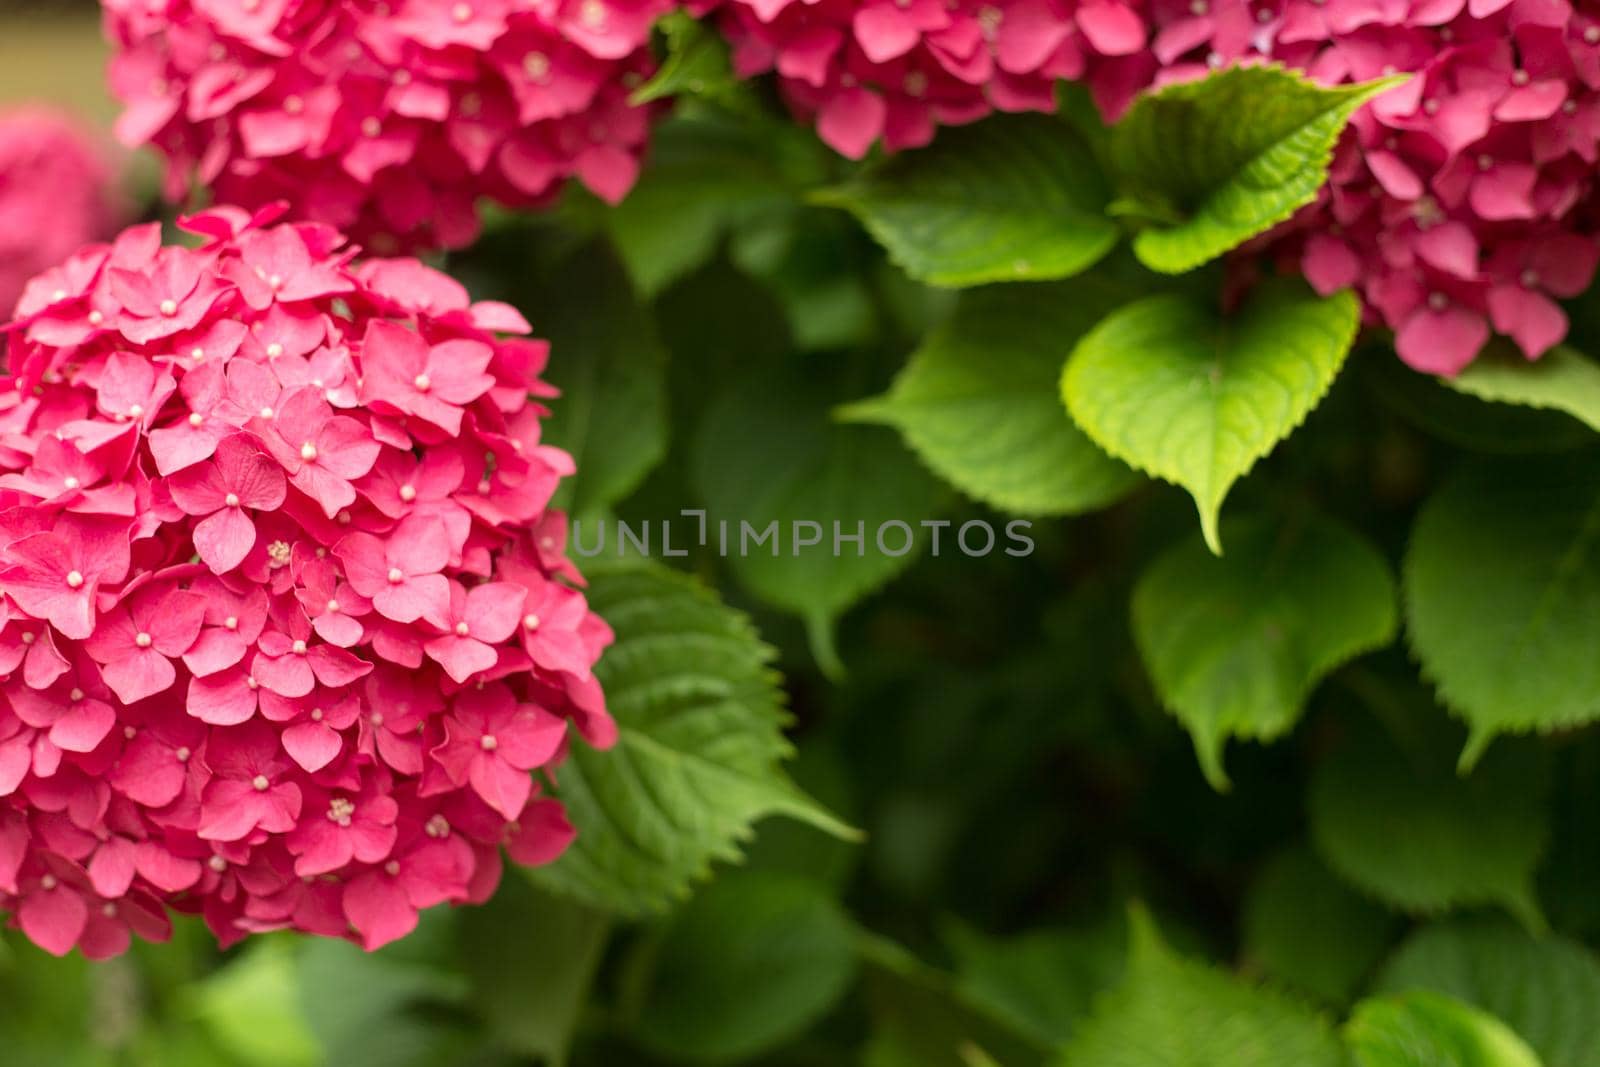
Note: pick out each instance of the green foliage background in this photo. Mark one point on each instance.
(1301, 780)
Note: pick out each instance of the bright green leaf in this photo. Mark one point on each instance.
(1560, 380)
(611, 370)
(978, 401)
(768, 453)
(1214, 162)
(1196, 398)
(1423, 1029)
(1400, 824)
(1172, 1012)
(751, 961)
(251, 1007)
(1236, 644)
(1015, 198)
(1502, 589)
(1310, 930)
(1546, 988)
(701, 741)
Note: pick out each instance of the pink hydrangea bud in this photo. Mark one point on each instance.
(56, 195)
(272, 523)
(388, 120)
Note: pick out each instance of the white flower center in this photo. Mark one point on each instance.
(462, 629)
(142, 639)
(260, 784)
(75, 579)
(169, 308)
(396, 576)
(232, 500)
(308, 452)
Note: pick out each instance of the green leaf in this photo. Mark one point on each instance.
(1014, 198)
(1222, 159)
(698, 759)
(531, 958)
(1546, 988)
(611, 370)
(395, 1008)
(696, 64)
(1196, 398)
(750, 962)
(1400, 824)
(923, 1017)
(707, 175)
(1502, 589)
(1423, 1029)
(1171, 1012)
(1460, 418)
(977, 402)
(768, 453)
(1307, 928)
(1235, 645)
(1043, 982)
(1560, 380)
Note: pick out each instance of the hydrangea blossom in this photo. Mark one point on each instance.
(1462, 201)
(893, 70)
(56, 195)
(387, 120)
(280, 589)
(1459, 204)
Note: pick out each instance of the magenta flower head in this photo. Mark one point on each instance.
(1461, 203)
(894, 70)
(386, 120)
(286, 622)
(56, 195)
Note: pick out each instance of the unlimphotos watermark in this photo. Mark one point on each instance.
(739, 537)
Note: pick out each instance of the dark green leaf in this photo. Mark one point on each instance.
(1235, 645)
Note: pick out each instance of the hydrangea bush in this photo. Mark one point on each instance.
(909, 311)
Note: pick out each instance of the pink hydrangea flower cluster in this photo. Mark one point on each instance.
(56, 195)
(893, 70)
(1460, 202)
(286, 621)
(386, 119)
